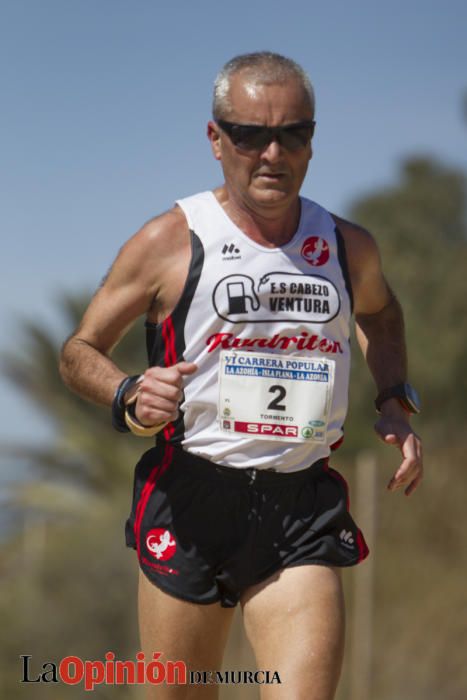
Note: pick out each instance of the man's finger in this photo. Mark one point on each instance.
(408, 472)
(167, 375)
(411, 487)
(186, 367)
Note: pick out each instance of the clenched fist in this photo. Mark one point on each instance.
(159, 392)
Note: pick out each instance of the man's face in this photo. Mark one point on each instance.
(267, 179)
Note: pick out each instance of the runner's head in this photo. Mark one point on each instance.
(263, 111)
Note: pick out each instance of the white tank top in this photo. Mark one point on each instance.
(268, 329)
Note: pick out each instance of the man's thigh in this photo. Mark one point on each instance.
(182, 631)
(295, 623)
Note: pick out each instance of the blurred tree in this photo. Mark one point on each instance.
(69, 586)
(85, 453)
(421, 228)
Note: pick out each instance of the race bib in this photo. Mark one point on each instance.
(278, 397)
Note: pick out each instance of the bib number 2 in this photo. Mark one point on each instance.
(281, 394)
(278, 397)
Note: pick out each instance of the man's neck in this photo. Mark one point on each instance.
(269, 226)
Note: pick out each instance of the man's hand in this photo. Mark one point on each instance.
(159, 393)
(394, 429)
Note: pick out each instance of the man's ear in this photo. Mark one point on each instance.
(213, 133)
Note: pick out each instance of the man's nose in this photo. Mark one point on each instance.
(272, 151)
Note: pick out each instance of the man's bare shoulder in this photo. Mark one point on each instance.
(151, 250)
(370, 289)
(162, 235)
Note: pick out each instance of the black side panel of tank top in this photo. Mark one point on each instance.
(342, 257)
(155, 343)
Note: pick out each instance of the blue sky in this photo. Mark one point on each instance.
(105, 103)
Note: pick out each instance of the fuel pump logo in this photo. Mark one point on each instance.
(277, 296)
(240, 296)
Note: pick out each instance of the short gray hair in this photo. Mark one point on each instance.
(262, 68)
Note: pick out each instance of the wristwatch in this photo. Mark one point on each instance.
(404, 393)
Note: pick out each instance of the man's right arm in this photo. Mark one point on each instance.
(131, 289)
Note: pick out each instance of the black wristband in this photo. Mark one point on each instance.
(118, 406)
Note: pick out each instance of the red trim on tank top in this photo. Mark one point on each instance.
(337, 444)
(168, 334)
(170, 358)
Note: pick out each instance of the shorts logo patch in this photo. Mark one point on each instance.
(347, 539)
(315, 251)
(161, 544)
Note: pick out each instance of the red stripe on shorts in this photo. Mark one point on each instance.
(361, 544)
(148, 488)
(338, 477)
(363, 550)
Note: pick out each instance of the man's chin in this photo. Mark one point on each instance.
(270, 196)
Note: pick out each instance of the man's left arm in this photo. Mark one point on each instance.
(380, 333)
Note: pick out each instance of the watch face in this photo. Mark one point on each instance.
(404, 393)
(412, 398)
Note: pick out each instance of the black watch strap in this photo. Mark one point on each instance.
(404, 393)
(118, 405)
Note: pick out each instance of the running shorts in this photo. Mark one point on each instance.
(206, 533)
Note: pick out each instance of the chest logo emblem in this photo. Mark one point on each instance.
(230, 252)
(276, 296)
(315, 251)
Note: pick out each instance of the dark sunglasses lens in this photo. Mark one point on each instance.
(296, 137)
(250, 138)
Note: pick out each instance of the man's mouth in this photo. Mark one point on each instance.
(271, 176)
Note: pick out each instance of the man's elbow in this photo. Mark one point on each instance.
(67, 359)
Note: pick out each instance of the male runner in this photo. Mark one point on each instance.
(248, 292)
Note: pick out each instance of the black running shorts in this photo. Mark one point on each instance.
(206, 533)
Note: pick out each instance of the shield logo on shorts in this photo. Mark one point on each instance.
(161, 544)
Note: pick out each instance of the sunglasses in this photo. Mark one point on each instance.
(252, 137)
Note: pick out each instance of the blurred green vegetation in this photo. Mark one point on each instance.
(420, 554)
(421, 228)
(68, 583)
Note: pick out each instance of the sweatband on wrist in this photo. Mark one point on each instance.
(118, 405)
